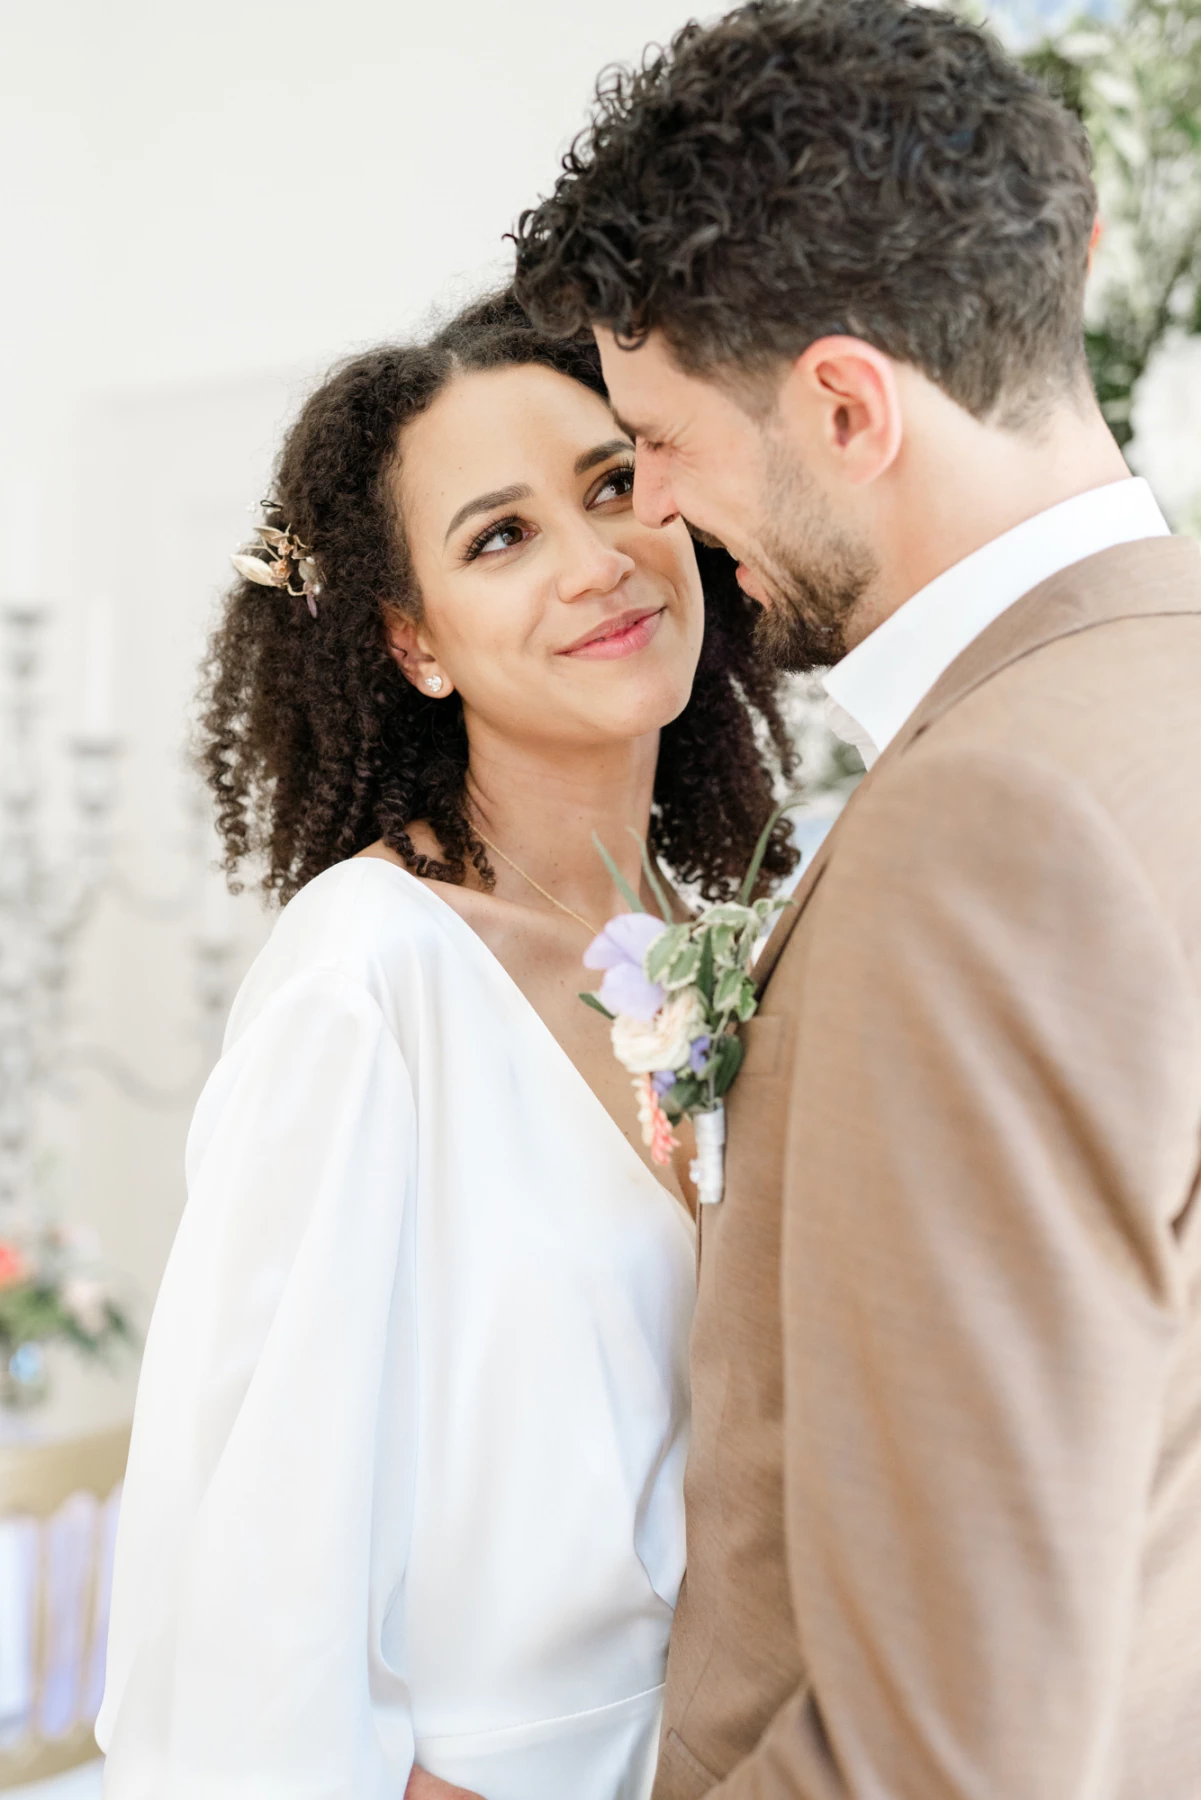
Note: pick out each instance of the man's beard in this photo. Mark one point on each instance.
(815, 574)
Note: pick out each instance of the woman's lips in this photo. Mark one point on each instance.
(620, 637)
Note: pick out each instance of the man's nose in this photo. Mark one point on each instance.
(654, 502)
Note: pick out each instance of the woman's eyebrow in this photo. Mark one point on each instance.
(601, 454)
(485, 503)
(519, 491)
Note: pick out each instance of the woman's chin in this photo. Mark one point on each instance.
(637, 706)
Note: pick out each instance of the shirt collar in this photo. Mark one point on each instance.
(879, 683)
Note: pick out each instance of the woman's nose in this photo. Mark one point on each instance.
(590, 565)
(654, 502)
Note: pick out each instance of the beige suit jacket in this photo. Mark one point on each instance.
(944, 1495)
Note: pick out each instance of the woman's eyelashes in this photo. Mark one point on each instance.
(499, 535)
(616, 484)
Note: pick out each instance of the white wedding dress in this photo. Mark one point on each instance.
(408, 1451)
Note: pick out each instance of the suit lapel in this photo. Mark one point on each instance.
(1139, 580)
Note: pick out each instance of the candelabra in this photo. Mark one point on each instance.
(47, 901)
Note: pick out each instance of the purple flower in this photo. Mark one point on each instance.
(664, 1081)
(619, 951)
(698, 1055)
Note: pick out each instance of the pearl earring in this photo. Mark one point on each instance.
(434, 683)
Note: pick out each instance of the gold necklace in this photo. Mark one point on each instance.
(538, 887)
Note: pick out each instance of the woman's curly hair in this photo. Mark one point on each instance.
(313, 742)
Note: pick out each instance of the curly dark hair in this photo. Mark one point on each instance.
(814, 167)
(313, 742)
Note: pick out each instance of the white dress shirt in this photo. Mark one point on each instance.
(407, 1463)
(875, 688)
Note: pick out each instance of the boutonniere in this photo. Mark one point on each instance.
(676, 995)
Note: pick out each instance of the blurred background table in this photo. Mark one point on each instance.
(61, 1466)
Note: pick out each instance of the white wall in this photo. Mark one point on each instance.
(203, 191)
(203, 205)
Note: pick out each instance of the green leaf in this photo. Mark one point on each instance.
(652, 879)
(727, 1060)
(730, 912)
(752, 874)
(687, 1093)
(704, 971)
(729, 987)
(748, 1002)
(619, 881)
(597, 1005)
(683, 969)
(747, 942)
(723, 942)
(664, 950)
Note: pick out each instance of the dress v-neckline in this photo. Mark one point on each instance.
(473, 944)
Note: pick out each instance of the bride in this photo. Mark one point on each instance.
(406, 1476)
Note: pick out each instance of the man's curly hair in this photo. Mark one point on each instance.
(313, 742)
(814, 167)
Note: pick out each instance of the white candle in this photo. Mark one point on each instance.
(216, 911)
(98, 715)
(20, 542)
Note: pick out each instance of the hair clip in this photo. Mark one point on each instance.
(278, 559)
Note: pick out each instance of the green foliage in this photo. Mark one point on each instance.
(29, 1313)
(684, 966)
(665, 952)
(729, 989)
(756, 862)
(705, 969)
(619, 881)
(652, 876)
(34, 1312)
(688, 1094)
(1136, 83)
(727, 1061)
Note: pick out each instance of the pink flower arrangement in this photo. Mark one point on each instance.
(47, 1292)
(13, 1266)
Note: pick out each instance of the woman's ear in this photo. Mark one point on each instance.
(418, 664)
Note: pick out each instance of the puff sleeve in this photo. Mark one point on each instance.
(263, 1528)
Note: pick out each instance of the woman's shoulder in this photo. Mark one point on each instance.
(364, 927)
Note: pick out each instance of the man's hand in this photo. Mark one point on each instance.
(424, 1786)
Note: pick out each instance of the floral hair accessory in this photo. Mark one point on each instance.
(277, 558)
(676, 996)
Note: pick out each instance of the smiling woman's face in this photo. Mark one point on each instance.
(557, 616)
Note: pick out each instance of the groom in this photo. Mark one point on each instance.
(944, 1536)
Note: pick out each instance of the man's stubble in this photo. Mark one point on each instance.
(814, 572)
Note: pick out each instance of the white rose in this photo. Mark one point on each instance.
(85, 1299)
(644, 1045)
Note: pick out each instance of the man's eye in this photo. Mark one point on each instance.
(617, 484)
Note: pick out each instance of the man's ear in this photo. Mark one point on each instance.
(417, 663)
(843, 395)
